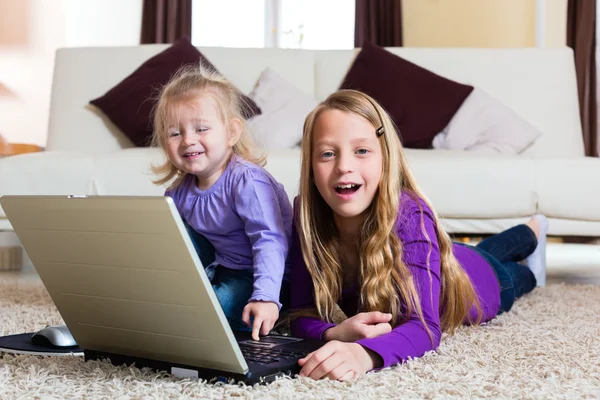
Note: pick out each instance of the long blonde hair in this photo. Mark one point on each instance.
(386, 283)
(188, 84)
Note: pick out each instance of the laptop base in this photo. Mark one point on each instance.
(183, 371)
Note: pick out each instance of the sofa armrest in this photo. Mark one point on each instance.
(50, 173)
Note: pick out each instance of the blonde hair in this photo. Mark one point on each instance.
(188, 84)
(386, 283)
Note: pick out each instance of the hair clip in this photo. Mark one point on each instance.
(379, 131)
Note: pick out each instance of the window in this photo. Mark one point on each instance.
(316, 24)
(305, 24)
(215, 23)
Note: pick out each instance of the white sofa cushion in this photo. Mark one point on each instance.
(568, 188)
(50, 173)
(470, 185)
(486, 125)
(283, 110)
(127, 173)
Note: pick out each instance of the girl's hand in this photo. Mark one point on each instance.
(361, 326)
(339, 361)
(265, 314)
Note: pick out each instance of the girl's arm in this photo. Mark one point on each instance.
(411, 340)
(258, 205)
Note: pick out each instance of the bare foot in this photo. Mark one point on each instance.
(534, 224)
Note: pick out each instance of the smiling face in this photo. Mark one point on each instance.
(199, 142)
(346, 161)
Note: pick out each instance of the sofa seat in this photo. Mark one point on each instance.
(569, 188)
(471, 192)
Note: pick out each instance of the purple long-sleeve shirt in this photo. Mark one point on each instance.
(411, 338)
(247, 216)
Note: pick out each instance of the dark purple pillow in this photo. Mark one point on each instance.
(420, 102)
(129, 104)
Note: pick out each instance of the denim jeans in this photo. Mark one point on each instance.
(503, 252)
(233, 287)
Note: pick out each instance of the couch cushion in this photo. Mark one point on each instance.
(469, 185)
(485, 124)
(127, 173)
(568, 188)
(420, 102)
(47, 173)
(129, 104)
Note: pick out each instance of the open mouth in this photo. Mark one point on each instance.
(347, 189)
(191, 155)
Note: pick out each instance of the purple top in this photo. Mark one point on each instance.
(247, 216)
(409, 339)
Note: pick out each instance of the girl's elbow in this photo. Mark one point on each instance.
(437, 339)
(435, 335)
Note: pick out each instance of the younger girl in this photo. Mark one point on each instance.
(223, 193)
(367, 241)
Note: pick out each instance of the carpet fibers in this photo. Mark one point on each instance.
(547, 347)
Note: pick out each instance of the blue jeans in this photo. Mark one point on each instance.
(233, 287)
(503, 251)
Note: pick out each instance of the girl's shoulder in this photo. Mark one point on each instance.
(240, 168)
(410, 203)
(414, 217)
(413, 212)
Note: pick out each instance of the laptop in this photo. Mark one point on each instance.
(124, 275)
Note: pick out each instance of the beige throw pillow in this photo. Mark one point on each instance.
(283, 110)
(485, 124)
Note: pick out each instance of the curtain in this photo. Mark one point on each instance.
(165, 21)
(378, 21)
(581, 37)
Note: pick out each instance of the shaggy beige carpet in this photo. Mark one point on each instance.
(547, 347)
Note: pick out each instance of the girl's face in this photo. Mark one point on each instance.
(347, 162)
(199, 143)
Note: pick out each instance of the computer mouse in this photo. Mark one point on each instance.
(54, 336)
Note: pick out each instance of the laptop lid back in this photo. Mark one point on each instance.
(125, 277)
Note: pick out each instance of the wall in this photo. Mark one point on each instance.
(480, 23)
(30, 33)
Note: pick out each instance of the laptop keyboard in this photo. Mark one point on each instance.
(264, 355)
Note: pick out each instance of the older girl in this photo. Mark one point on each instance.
(368, 243)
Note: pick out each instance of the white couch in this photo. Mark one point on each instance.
(473, 193)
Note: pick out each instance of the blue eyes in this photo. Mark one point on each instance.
(329, 154)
